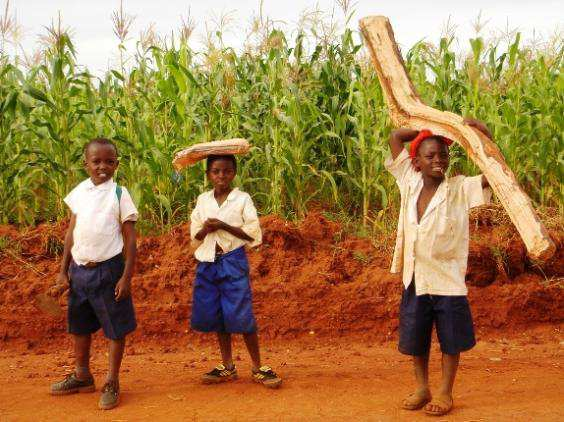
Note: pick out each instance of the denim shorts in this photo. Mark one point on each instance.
(92, 303)
(450, 314)
(222, 299)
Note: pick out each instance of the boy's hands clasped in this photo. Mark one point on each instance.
(210, 225)
(213, 224)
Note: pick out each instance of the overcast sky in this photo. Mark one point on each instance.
(412, 20)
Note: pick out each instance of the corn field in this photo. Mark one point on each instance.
(315, 116)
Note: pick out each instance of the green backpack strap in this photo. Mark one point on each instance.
(118, 194)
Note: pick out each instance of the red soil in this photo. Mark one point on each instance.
(310, 277)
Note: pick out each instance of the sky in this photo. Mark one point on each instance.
(96, 44)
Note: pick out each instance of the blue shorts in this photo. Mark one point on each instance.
(222, 299)
(450, 314)
(92, 301)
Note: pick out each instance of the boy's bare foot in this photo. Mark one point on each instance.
(439, 406)
(416, 400)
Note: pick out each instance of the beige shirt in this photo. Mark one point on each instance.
(97, 233)
(237, 210)
(435, 250)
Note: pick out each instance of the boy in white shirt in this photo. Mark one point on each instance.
(222, 223)
(432, 253)
(93, 267)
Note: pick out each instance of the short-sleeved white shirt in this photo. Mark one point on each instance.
(97, 234)
(237, 210)
(435, 249)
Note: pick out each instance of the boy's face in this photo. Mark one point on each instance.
(432, 158)
(221, 173)
(100, 161)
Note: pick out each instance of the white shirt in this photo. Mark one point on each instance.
(97, 234)
(237, 210)
(435, 250)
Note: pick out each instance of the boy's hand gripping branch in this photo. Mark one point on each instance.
(407, 110)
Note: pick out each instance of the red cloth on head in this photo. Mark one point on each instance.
(424, 134)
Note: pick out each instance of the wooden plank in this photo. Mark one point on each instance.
(197, 152)
(407, 110)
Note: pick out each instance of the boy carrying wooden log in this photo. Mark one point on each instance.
(223, 222)
(432, 253)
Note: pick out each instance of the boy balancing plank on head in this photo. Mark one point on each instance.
(94, 268)
(222, 223)
(432, 249)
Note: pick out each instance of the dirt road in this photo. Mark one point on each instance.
(337, 379)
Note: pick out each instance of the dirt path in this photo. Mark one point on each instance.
(339, 379)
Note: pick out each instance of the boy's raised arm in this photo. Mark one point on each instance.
(482, 127)
(398, 137)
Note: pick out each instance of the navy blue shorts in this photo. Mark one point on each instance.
(450, 314)
(222, 299)
(92, 301)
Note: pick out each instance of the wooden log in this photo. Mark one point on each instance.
(197, 152)
(407, 110)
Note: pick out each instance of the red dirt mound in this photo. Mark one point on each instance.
(310, 277)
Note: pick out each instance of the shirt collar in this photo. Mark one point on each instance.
(102, 186)
(234, 192)
(438, 198)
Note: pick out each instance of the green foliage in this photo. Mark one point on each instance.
(318, 123)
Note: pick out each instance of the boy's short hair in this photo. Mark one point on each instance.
(99, 141)
(228, 157)
(437, 139)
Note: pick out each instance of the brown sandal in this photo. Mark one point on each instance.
(444, 403)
